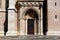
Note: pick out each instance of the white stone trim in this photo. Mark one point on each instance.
(53, 33)
(11, 33)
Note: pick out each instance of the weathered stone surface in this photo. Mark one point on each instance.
(30, 38)
(54, 23)
(2, 19)
(12, 23)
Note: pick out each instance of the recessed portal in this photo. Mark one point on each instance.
(31, 16)
(30, 26)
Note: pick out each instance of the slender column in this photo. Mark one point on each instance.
(35, 27)
(39, 27)
(41, 21)
(18, 23)
(26, 26)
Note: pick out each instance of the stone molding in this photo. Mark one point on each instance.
(30, 4)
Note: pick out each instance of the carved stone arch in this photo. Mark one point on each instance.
(34, 19)
(33, 9)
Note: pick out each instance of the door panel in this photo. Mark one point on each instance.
(30, 26)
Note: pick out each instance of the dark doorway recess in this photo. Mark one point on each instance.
(32, 13)
(30, 26)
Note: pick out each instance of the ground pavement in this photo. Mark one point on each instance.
(30, 37)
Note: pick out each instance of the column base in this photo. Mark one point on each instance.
(23, 34)
(11, 33)
(40, 33)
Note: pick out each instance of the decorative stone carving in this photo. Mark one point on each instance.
(29, 3)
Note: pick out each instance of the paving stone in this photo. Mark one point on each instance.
(30, 38)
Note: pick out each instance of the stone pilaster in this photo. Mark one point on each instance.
(11, 23)
(11, 19)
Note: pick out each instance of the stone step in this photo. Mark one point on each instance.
(31, 37)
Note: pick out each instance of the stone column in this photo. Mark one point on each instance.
(41, 20)
(18, 23)
(11, 23)
(39, 23)
(2, 16)
(26, 26)
(22, 27)
(39, 27)
(12, 3)
(11, 19)
(35, 27)
(2, 20)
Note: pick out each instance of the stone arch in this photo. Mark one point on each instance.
(32, 12)
(32, 9)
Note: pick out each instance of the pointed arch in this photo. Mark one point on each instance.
(32, 12)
